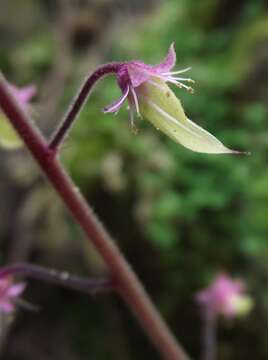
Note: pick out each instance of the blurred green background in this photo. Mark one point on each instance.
(179, 217)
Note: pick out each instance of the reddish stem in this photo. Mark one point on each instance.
(78, 103)
(60, 278)
(123, 276)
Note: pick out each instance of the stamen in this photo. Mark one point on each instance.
(177, 72)
(184, 79)
(181, 85)
(134, 128)
(135, 100)
(172, 78)
(173, 81)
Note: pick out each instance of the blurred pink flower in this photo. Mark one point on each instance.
(225, 296)
(23, 95)
(8, 293)
(8, 136)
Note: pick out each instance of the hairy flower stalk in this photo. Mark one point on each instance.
(61, 278)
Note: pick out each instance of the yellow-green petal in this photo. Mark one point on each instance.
(242, 304)
(163, 109)
(8, 137)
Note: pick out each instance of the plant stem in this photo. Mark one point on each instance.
(77, 104)
(61, 278)
(127, 283)
(209, 336)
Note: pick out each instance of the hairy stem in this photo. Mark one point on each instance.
(61, 278)
(78, 103)
(124, 278)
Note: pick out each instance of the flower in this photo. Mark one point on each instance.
(226, 297)
(23, 95)
(8, 293)
(8, 136)
(145, 87)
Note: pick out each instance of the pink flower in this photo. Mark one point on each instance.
(134, 73)
(8, 137)
(23, 95)
(8, 293)
(225, 296)
(145, 87)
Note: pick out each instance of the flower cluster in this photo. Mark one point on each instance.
(226, 297)
(145, 87)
